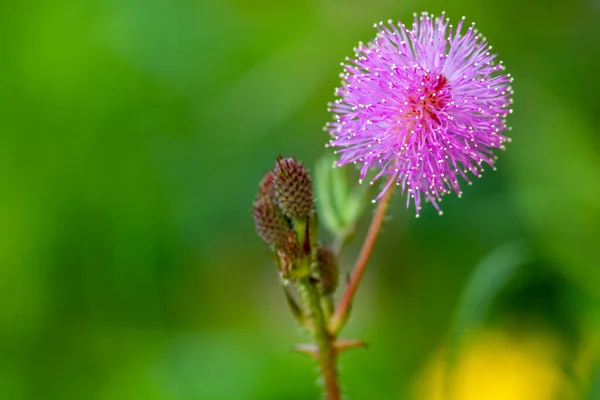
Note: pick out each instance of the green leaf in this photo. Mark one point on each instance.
(340, 192)
(327, 212)
(555, 166)
(356, 202)
(339, 205)
(484, 285)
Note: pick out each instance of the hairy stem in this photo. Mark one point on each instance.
(341, 313)
(324, 340)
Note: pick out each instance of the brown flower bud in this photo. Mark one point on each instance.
(288, 253)
(270, 225)
(293, 188)
(266, 186)
(327, 269)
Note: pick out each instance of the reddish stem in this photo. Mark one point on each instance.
(340, 315)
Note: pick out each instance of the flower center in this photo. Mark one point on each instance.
(427, 99)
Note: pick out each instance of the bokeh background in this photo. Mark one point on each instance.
(134, 134)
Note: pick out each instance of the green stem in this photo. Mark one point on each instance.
(324, 340)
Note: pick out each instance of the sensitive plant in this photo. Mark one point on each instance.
(422, 107)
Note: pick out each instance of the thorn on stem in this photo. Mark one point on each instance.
(310, 350)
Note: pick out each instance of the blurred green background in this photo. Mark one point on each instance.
(134, 134)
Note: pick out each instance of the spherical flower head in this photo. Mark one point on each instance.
(423, 106)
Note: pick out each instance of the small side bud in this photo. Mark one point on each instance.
(269, 223)
(293, 188)
(327, 269)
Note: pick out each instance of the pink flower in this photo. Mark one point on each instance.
(422, 106)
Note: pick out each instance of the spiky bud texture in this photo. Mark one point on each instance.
(266, 188)
(270, 224)
(293, 188)
(327, 269)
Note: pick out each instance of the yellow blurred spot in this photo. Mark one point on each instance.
(498, 366)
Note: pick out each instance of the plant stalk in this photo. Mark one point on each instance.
(341, 313)
(324, 340)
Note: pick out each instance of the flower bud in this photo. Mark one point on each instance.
(269, 223)
(266, 187)
(293, 188)
(327, 269)
(288, 253)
